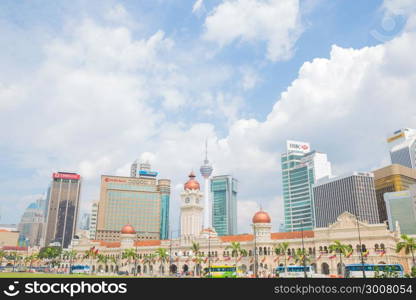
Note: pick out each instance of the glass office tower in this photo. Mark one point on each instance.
(224, 204)
(301, 168)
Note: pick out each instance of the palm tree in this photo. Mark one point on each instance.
(341, 249)
(163, 255)
(2, 255)
(91, 254)
(131, 254)
(71, 255)
(31, 258)
(282, 248)
(302, 257)
(198, 258)
(408, 245)
(149, 259)
(102, 259)
(236, 250)
(15, 257)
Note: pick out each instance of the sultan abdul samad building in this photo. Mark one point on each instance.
(378, 244)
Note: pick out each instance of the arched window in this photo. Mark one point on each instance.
(382, 247)
(376, 247)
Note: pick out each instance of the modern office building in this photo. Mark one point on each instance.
(403, 147)
(84, 223)
(133, 168)
(224, 190)
(93, 220)
(136, 201)
(401, 210)
(301, 168)
(63, 205)
(353, 193)
(164, 190)
(393, 178)
(32, 223)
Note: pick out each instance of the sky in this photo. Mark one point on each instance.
(91, 86)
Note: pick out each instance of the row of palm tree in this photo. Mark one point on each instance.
(51, 255)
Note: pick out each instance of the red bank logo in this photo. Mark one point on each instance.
(66, 176)
(297, 146)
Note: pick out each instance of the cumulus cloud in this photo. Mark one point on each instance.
(275, 22)
(198, 6)
(93, 107)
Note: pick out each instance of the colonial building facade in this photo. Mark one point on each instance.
(377, 241)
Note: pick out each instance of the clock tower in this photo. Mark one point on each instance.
(192, 208)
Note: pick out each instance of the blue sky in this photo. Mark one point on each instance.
(89, 86)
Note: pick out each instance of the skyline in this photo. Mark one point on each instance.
(194, 82)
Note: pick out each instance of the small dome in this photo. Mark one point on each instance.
(192, 184)
(128, 229)
(261, 217)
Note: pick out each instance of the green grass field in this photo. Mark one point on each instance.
(43, 275)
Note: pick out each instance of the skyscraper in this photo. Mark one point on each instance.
(133, 169)
(31, 225)
(301, 168)
(403, 147)
(401, 210)
(164, 190)
(354, 193)
(93, 220)
(136, 201)
(224, 204)
(206, 171)
(63, 204)
(84, 223)
(393, 178)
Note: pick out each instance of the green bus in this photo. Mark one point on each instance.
(220, 272)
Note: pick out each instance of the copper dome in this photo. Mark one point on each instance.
(128, 229)
(192, 184)
(261, 217)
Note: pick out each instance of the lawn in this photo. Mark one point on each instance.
(47, 275)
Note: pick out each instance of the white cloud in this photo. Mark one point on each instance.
(275, 22)
(92, 109)
(198, 6)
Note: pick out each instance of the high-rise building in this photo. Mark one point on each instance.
(401, 210)
(393, 178)
(403, 147)
(31, 225)
(133, 169)
(301, 168)
(133, 200)
(192, 209)
(93, 221)
(63, 204)
(224, 204)
(353, 193)
(206, 171)
(164, 190)
(84, 223)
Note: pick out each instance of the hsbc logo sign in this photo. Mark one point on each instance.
(298, 146)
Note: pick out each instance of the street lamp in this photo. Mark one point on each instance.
(303, 251)
(255, 252)
(359, 238)
(170, 252)
(209, 253)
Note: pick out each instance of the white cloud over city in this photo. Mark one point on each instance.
(274, 22)
(101, 97)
